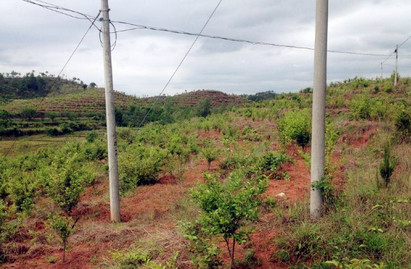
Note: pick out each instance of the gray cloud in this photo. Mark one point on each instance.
(34, 38)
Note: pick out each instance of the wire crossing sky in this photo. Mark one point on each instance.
(249, 46)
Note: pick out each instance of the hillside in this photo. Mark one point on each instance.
(92, 101)
(14, 85)
(245, 170)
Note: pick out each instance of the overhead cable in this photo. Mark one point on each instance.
(61, 71)
(182, 60)
(151, 28)
(405, 41)
(62, 10)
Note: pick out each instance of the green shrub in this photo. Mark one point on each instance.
(366, 108)
(91, 136)
(295, 126)
(204, 252)
(22, 190)
(210, 152)
(28, 113)
(66, 179)
(64, 227)
(403, 125)
(387, 166)
(140, 165)
(135, 258)
(273, 160)
(95, 151)
(227, 207)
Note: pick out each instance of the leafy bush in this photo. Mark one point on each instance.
(295, 126)
(273, 160)
(95, 151)
(204, 108)
(66, 179)
(403, 125)
(28, 113)
(227, 207)
(210, 152)
(204, 252)
(387, 166)
(22, 190)
(91, 136)
(64, 227)
(140, 165)
(366, 108)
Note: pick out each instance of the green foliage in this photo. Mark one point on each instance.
(4, 115)
(91, 136)
(64, 227)
(22, 190)
(250, 260)
(131, 260)
(140, 165)
(227, 207)
(52, 115)
(210, 152)
(28, 113)
(231, 132)
(96, 150)
(366, 108)
(307, 90)
(295, 126)
(303, 244)
(260, 96)
(273, 160)
(204, 108)
(403, 125)
(387, 166)
(203, 251)
(356, 264)
(327, 191)
(65, 180)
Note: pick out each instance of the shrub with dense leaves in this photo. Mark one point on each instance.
(273, 160)
(403, 125)
(227, 207)
(295, 126)
(66, 179)
(140, 164)
(210, 152)
(64, 227)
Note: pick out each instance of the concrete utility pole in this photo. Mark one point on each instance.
(318, 111)
(396, 67)
(110, 116)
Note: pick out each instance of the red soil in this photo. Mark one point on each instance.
(145, 212)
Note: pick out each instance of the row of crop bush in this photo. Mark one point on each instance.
(60, 174)
(136, 116)
(377, 108)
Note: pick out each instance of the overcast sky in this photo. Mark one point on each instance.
(33, 38)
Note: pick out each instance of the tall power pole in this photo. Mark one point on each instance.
(318, 111)
(396, 67)
(110, 116)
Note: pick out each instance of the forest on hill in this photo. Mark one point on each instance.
(223, 182)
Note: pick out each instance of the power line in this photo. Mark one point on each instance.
(58, 9)
(182, 61)
(61, 71)
(405, 41)
(62, 10)
(399, 46)
(151, 28)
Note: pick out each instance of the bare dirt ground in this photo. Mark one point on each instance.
(148, 212)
